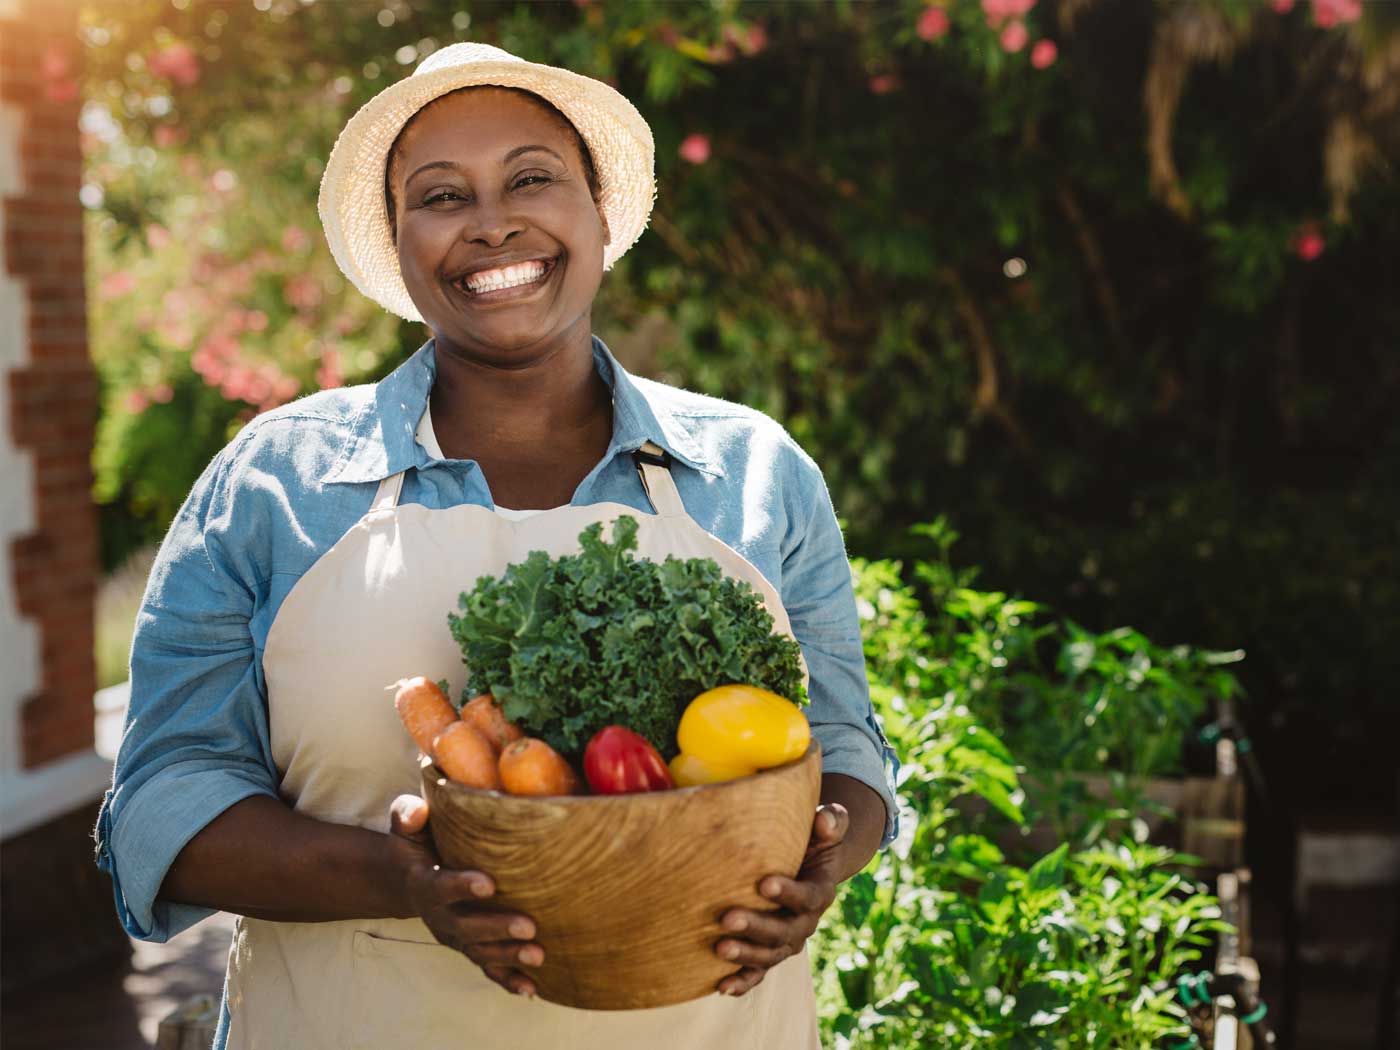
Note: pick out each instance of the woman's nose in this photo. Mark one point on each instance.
(491, 224)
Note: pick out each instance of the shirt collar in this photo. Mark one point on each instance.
(382, 440)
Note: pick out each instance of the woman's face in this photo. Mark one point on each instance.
(500, 241)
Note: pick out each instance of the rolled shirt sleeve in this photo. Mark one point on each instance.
(820, 601)
(196, 738)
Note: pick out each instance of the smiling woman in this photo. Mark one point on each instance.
(262, 770)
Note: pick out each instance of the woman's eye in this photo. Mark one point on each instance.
(531, 180)
(441, 195)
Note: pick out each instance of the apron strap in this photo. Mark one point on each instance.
(654, 465)
(387, 498)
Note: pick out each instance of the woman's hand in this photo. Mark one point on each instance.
(450, 904)
(761, 940)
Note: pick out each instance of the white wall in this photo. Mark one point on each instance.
(19, 639)
(27, 797)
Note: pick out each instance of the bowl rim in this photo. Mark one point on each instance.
(442, 783)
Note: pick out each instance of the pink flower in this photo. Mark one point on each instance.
(255, 321)
(932, 23)
(302, 291)
(1281, 7)
(883, 83)
(721, 53)
(157, 236)
(117, 284)
(1014, 37)
(749, 39)
(1308, 243)
(1044, 53)
(162, 393)
(177, 63)
(53, 65)
(65, 90)
(329, 374)
(167, 135)
(294, 239)
(137, 402)
(284, 388)
(1329, 13)
(695, 148)
(998, 11)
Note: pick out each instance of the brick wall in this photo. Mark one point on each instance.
(52, 389)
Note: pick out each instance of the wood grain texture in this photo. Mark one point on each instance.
(627, 890)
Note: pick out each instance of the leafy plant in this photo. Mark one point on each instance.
(569, 645)
(948, 941)
(1063, 698)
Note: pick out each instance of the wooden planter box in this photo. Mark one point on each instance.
(1207, 813)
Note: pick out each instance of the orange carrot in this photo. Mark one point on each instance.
(424, 709)
(467, 757)
(532, 767)
(484, 713)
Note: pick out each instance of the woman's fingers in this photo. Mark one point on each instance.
(451, 887)
(766, 928)
(746, 953)
(743, 981)
(503, 953)
(408, 816)
(830, 825)
(510, 979)
(494, 926)
(797, 896)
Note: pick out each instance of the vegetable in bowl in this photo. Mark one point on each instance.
(570, 645)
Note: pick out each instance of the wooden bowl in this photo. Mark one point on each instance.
(627, 890)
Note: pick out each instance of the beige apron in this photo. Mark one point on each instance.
(371, 610)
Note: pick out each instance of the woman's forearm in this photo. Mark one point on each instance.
(867, 813)
(262, 859)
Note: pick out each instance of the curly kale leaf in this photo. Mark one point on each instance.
(569, 645)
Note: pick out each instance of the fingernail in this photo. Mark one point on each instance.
(532, 956)
(730, 951)
(481, 888)
(522, 929)
(771, 889)
(735, 922)
(527, 990)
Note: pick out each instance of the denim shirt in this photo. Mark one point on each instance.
(296, 479)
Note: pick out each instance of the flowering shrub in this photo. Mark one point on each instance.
(1111, 283)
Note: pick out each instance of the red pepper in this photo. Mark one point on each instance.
(618, 761)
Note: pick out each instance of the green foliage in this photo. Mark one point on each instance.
(945, 940)
(1063, 698)
(946, 270)
(569, 645)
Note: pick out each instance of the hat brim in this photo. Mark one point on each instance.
(351, 201)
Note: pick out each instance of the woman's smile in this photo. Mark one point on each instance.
(509, 282)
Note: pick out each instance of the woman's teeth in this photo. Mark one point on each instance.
(504, 277)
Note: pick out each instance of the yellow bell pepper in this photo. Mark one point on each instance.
(688, 771)
(740, 726)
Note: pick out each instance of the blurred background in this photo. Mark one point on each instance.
(1087, 309)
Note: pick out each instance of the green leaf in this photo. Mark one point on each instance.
(1039, 1004)
(1049, 871)
(857, 899)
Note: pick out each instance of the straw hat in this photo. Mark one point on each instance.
(352, 190)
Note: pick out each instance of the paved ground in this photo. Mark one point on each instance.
(120, 1008)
